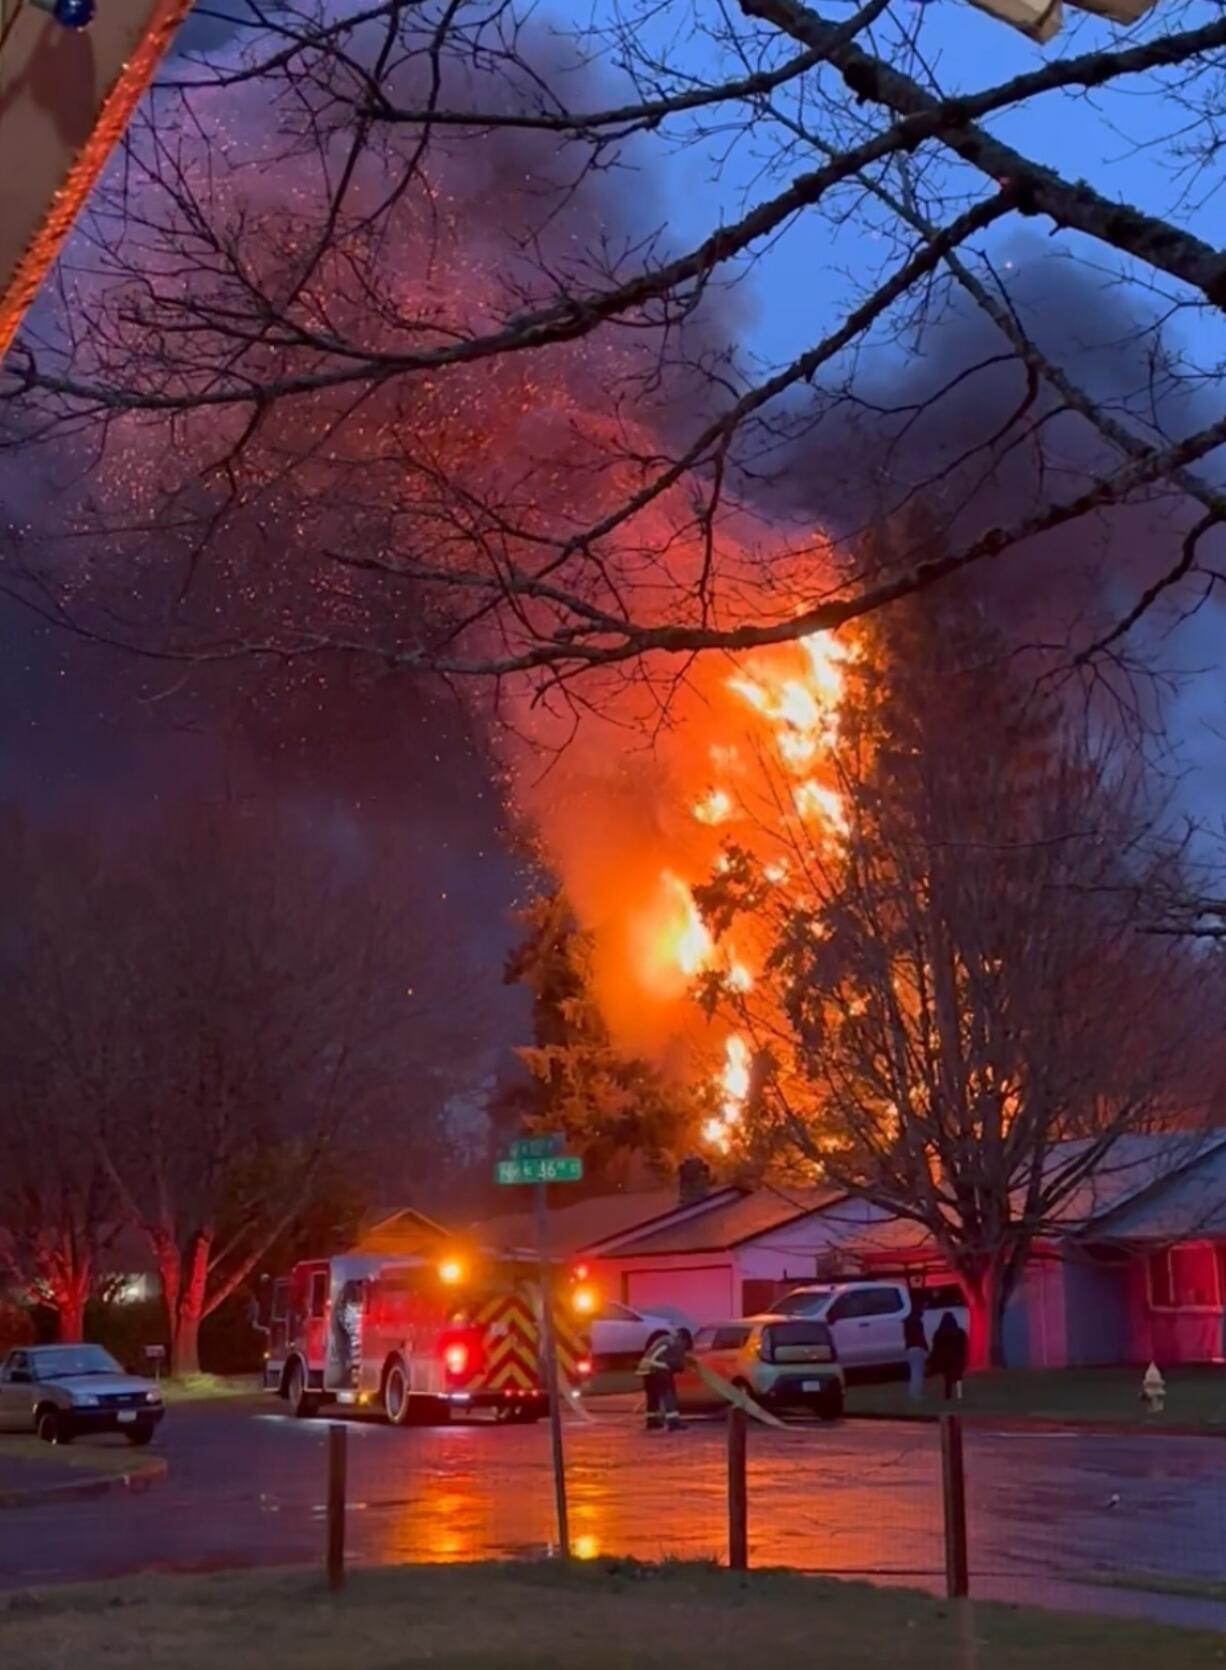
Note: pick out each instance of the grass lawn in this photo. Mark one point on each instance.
(194, 1388)
(535, 1617)
(1195, 1397)
(81, 1457)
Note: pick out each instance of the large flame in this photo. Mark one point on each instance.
(801, 711)
(744, 764)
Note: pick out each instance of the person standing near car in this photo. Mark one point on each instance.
(659, 1366)
(949, 1353)
(915, 1347)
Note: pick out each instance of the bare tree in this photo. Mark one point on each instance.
(197, 1011)
(402, 315)
(241, 976)
(960, 1021)
(58, 1214)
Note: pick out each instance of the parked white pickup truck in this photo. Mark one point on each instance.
(866, 1317)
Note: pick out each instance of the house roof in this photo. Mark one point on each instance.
(726, 1219)
(1185, 1203)
(405, 1231)
(575, 1228)
(1133, 1166)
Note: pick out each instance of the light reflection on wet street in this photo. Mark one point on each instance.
(247, 1488)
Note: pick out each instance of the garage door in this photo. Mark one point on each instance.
(693, 1296)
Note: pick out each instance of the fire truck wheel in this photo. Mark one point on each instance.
(396, 1400)
(518, 1414)
(301, 1403)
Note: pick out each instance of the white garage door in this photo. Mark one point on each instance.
(693, 1296)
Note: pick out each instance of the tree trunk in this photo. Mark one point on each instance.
(985, 1298)
(189, 1311)
(185, 1346)
(70, 1313)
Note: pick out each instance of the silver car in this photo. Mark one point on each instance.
(63, 1391)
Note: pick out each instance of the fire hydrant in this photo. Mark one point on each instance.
(1153, 1390)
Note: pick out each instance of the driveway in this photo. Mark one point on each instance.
(1050, 1513)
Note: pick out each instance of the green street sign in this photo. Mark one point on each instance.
(538, 1148)
(560, 1168)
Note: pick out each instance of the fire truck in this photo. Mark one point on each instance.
(419, 1338)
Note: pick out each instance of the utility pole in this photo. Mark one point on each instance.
(550, 1346)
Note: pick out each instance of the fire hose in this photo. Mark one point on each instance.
(735, 1396)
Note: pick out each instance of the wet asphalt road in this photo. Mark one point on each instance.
(1049, 1512)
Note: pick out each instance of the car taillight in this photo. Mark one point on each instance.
(456, 1358)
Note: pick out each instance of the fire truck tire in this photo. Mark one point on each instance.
(396, 1400)
(301, 1404)
(517, 1414)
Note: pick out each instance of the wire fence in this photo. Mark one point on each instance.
(1039, 1513)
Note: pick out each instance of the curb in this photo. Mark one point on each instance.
(144, 1477)
(1041, 1423)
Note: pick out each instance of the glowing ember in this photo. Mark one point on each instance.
(693, 947)
(814, 801)
(715, 807)
(735, 1078)
(734, 1082)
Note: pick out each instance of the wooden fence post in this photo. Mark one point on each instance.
(338, 1436)
(953, 1478)
(738, 1491)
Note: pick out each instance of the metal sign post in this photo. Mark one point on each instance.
(540, 1161)
(551, 1372)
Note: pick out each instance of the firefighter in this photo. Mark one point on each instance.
(660, 1364)
(347, 1330)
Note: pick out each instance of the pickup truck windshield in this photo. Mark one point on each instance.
(808, 1301)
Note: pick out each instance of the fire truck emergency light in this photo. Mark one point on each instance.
(451, 1271)
(456, 1358)
(584, 1300)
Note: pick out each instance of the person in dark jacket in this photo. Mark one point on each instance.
(659, 1367)
(949, 1351)
(915, 1347)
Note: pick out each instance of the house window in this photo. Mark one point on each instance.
(1185, 1278)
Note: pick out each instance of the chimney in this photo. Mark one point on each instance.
(693, 1181)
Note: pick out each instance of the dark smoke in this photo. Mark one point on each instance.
(952, 427)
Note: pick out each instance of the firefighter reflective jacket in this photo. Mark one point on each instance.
(655, 1359)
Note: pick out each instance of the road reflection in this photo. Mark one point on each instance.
(817, 1501)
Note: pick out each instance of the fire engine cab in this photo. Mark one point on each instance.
(418, 1337)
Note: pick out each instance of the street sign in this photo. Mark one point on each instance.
(538, 1148)
(561, 1168)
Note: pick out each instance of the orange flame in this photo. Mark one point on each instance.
(715, 807)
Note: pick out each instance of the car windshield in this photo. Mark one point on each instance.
(805, 1301)
(66, 1362)
(799, 1334)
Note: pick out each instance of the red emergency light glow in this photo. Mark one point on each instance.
(583, 1367)
(456, 1358)
(580, 1272)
